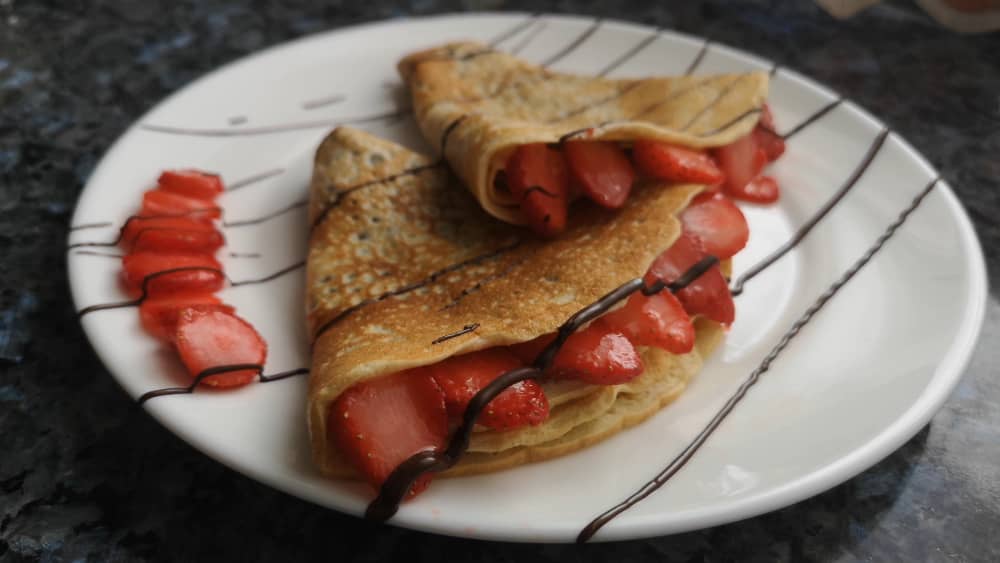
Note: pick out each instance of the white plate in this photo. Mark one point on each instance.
(867, 372)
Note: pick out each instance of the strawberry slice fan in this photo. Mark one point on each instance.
(544, 180)
(170, 265)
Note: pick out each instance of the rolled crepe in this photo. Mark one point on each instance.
(399, 256)
(477, 105)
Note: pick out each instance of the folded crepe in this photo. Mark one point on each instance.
(477, 105)
(400, 256)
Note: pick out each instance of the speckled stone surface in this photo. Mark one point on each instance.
(86, 475)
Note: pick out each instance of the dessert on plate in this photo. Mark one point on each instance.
(417, 300)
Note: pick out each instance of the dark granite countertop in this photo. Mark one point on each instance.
(87, 475)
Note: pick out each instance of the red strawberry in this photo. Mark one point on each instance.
(537, 176)
(461, 377)
(598, 355)
(766, 137)
(709, 294)
(161, 202)
(717, 223)
(528, 351)
(159, 315)
(177, 241)
(657, 320)
(191, 183)
(208, 339)
(201, 273)
(379, 423)
(762, 189)
(135, 226)
(602, 171)
(741, 161)
(675, 164)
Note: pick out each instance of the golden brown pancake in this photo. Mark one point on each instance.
(477, 104)
(400, 256)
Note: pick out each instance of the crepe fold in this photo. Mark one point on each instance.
(399, 257)
(477, 104)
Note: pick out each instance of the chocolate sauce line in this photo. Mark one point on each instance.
(732, 122)
(254, 179)
(523, 44)
(323, 102)
(688, 452)
(812, 118)
(518, 28)
(264, 218)
(573, 45)
(269, 277)
(715, 101)
(774, 69)
(244, 255)
(237, 120)
(479, 284)
(91, 226)
(698, 58)
(396, 486)
(625, 57)
(144, 294)
(464, 330)
(340, 195)
(808, 226)
(121, 231)
(189, 389)
(96, 253)
(449, 129)
(414, 285)
(270, 129)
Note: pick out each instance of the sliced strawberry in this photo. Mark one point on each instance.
(528, 351)
(380, 423)
(139, 224)
(657, 320)
(197, 273)
(717, 223)
(602, 171)
(161, 202)
(709, 294)
(191, 183)
(675, 164)
(762, 189)
(741, 161)
(177, 241)
(538, 177)
(766, 137)
(598, 355)
(461, 377)
(159, 315)
(209, 339)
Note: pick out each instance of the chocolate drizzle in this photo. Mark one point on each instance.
(339, 196)
(401, 479)
(808, 121)
(414, 286)
(625, 57)
(806, 227)
(573, 45)
(528, 22)
(464, 330)
(529, 38)
(91, 226)
(698, 58)
(155, 275)
(718, 98)
(187, 390)
(254, 179)
(97, 253)
(323, 102)
(277, 128)
(685, 455)
(264, 218)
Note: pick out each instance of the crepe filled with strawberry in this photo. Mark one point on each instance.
(417, 299)
(527, 141)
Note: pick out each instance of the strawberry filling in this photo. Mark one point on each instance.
(379, 423)
(544, 179)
